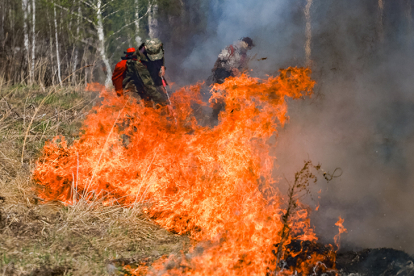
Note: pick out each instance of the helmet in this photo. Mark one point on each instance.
(248, 40)
(154, 49)
(130, 51)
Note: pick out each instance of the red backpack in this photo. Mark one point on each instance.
(119, 71)
(118, 76)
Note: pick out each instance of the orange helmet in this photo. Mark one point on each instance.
(130, 51)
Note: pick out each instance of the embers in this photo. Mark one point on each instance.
(310, 258)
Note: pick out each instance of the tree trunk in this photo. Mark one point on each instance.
(2, 11)
(51, 58)
(308, 32)
(75, 58)
(138, 39)
(153, 22)
(29, 62)
(381, 20)
(33, 38)
(25, 29)
(101, 44)
(57, 45)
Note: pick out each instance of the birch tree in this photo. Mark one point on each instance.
(40, 32)
(50, 32)
(2, 16)
(101, 37)
(308, 32)
(99, 9)
(25, 9)
(153, 21)
(138, 39)
(33, 39)
(57, 45)
(75, 57)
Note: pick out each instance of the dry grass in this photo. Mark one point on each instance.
(38, 238)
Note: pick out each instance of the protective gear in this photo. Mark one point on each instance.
(154, 49)
(138, 77)
(130, 51)
(119, 71)
(162, 72)
(232, 60)
(248, 40)
(153, 58)
(118, 77)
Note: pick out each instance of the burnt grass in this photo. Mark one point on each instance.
(366, 262)
(373, 262)
(48, 238)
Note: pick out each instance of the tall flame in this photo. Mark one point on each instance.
(214, 184)
(341, 230)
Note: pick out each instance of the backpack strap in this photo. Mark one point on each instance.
(231, 50)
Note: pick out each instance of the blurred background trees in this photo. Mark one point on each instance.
(48, 41)
(51, 41)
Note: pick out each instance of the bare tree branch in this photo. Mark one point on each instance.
(133, 22)
(92, 5)
(111, 14)
(150, 3)
(66, 9)
(87, 42)
(116, 49)
(103, 6)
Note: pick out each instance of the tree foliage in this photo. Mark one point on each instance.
(78, 38)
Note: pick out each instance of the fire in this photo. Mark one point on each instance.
(214, 184)
(341, 229)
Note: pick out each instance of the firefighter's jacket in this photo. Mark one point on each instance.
(118, 76)
(137, 74)
(231, 57)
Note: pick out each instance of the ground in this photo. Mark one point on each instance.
(48, 238)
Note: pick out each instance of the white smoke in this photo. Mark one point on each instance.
(361, 117)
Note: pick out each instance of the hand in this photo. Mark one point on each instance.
(171, 110)
(235, 72)
(162, 71)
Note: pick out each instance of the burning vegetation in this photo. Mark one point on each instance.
(213, 184)
(168, 190)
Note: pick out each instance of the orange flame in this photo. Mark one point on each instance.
(341, 229)
(214, 184)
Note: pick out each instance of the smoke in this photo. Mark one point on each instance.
(361, 117)
(361, 122)
(263, 21)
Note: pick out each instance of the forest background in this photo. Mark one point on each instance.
(43, 41)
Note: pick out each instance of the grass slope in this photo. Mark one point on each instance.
(38, 238)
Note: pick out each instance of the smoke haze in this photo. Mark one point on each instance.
(361, 117)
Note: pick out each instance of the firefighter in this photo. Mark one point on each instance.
(119, 71)
(153, 50)
(231, 62)
(139, 84)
